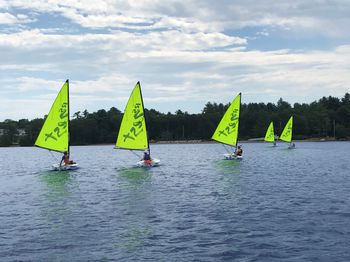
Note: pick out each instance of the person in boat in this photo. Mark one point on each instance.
(238, 151)
(65, 159)
(146, 157)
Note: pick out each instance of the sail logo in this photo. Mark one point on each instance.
(288, 131)
(270, 134)
(137, 127)
(61, 127)
(232, 125)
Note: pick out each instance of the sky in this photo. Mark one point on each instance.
(184, 53)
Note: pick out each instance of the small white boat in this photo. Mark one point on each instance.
(291, 146)
(58, 167)
(270, 135)
(232, 157)
(54, 134)
(144, 163)
(133, 131)
(287, 133)
(227, 130)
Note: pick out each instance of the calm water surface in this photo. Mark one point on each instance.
(275, 205)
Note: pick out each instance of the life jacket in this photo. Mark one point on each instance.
(66, 159)
(148, 161)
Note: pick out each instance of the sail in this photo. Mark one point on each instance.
(54, 134)
(287, 131)
(133, 132)
(270, 134)
(227, 130)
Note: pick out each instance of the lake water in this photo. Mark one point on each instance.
(275, 205)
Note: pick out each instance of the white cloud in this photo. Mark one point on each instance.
(175, 40)
(184, 53)
(7, 18)
(313, 17)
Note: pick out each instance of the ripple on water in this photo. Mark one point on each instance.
(275, 205)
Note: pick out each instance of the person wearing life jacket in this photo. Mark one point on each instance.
(65, 159)
(238, 151)
(146, 158)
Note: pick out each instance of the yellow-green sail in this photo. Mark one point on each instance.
(133, 132)
(287, 131)
(227, 130)
(270, 134)
(54, 134)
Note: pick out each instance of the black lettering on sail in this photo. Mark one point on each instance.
(47, 136)
(127, 136)
(222, 132)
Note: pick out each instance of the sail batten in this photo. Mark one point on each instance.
(133, 133)
(54, 134)
(270, 134)
(287, 131)
(227, 130)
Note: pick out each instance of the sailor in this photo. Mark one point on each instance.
(65, 159)
(146, 157)
(238, 151)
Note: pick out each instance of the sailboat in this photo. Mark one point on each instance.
(270, 134)
(287, 133)
(227, 130)
(54, 134)
(133, 132)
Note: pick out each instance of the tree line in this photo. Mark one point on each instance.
(327, 117)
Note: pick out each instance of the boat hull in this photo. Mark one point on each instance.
(154, 162)
(57, 167)
(232, 157)
(291, 146)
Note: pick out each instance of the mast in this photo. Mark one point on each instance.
(144, 116)
(67, 81)
(239, 117)
(291, 136)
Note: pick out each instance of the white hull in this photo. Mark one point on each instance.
(232, 157)
(57, 167)
(291, 146)
(154, 162)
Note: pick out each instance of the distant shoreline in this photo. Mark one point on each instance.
(249, 141)
(244, 141)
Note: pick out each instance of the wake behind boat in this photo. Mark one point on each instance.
(54, 134)
(227, 130)
(133, 131)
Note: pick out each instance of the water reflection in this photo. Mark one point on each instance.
(135, 186)
(134, 177)
(55, 206)
(135, 237)
(57, 183)
(229, 166)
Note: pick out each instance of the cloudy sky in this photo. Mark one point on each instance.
(184, 53)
